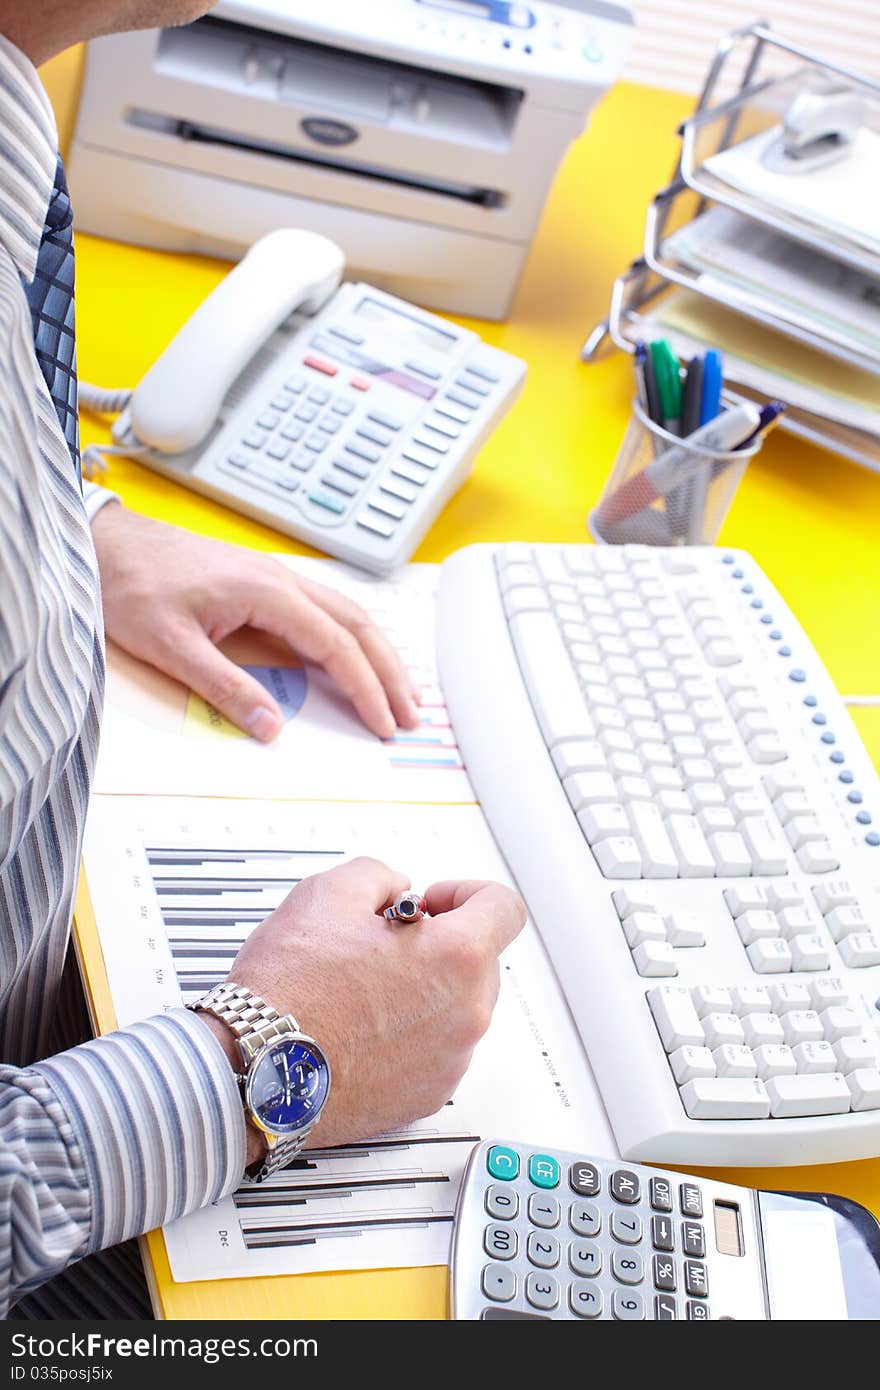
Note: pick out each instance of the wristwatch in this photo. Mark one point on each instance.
(285, 1076)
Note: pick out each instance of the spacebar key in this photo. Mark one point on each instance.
(555, 694)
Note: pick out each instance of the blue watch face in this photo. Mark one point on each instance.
(288, 1085)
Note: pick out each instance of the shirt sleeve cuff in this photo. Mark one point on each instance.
(158, 1119)
(95, 497)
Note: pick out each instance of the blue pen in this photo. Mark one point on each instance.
(710, 401)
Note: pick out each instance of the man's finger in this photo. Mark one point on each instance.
(289, 613)
(475, 906)
(247, 704)
(401, 689)
(362, 883)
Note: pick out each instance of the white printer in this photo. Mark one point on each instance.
(420, 135)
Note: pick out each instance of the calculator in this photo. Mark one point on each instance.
(542, 1233)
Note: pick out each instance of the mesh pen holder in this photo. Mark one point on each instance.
(664, 490)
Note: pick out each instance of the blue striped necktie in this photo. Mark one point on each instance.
(50, 297)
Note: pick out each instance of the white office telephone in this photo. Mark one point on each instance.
(336, 413)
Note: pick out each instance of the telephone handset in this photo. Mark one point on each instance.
(335, 412)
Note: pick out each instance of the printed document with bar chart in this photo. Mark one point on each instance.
(178, 881)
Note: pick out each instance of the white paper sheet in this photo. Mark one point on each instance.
(159, 739)
(389, 1203)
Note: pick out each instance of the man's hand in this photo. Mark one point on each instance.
(397, 1009)
(170, 596)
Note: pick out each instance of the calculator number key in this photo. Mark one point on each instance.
(585, 1259)
(502, 1203)
(627, 1306)
(542, 1250)
(544, 1212)
(585, 1300)
(585, 1218)
(626, 1227)
(500, 1242)
(542, 1290)
(627, 1268)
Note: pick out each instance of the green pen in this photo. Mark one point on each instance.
(666, 370)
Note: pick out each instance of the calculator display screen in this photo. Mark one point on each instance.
(407, 327)
(728, 1229)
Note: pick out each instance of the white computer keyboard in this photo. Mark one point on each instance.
(695, 826)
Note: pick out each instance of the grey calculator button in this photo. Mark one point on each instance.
(542, 1290)
(292, 430)
(453, 412)
(627, 1266)
(375, 435)
(626, 1227)
(500, 1242)
(483, 372)
(424, 370)
(585, 1258)
(696, 1280)
(388, 507)
(254, 439)
(379, 417)
(306, 412)
(664, 1273)
(342, 406)
(665, 1309)
(302, 462)
(408, 474)
(363, 451)
(441, 426)
(584, 1179)
(585, 1299)
(396, 487)
(585, 1219)
(499, 1283)
(502, 1201)
(346, 335)
(627, 1305)
(329, 424)
(268, 420)
(278, 449)
(295, 384)
(693, 1239)
(437, 442)
(319, 396)
(543, 1211)
(661, 1194)
(624, 1186)
(316, 442)
(542, 1249)
(662, 1233)
(349, 466)
(462, 398)
(376, 525)
(698, 1312)
(472, 383)
(421, 456)
(691, 1199)
(283, 401)
(338, 481)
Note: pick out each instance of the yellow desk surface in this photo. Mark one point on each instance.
(811, 520)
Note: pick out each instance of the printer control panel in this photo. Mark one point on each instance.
(583, 41)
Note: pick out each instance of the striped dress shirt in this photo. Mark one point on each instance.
(121, 1134)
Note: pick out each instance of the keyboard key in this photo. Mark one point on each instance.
(838, 1021)
(802, 1025)
(653, 959)
(815, 1058)
(764, 845)
(619, 858)
(686, 929)
(676, 1018)
(756, 925)
(713, 999)
(761, 1028)
(733, 1060)
(730, 852)
(723, 1098)
(644, 926)
(554, 692)
(592, 788)
(864, 1088)
(853, 1052)
(748, 898)
(833, 893)
(721, 1028)
(579, 755)
(860, 949)
(791, 1096)
(695, 859)
(818, 857)
(841, 921)
(790, 997)
(774, 1059)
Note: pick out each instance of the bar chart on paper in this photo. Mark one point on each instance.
(178, 884)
